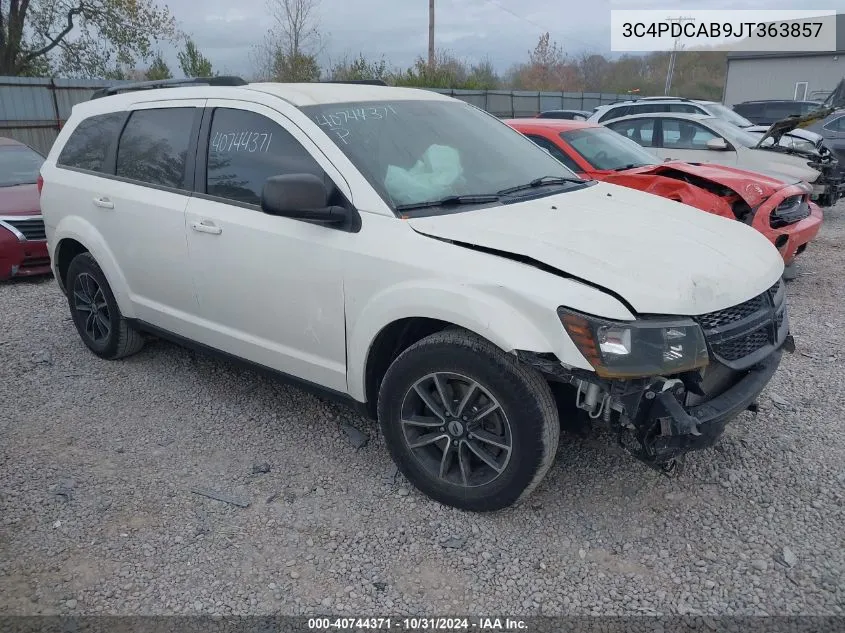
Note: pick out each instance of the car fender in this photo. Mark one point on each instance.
(475, 308)
(76, 228)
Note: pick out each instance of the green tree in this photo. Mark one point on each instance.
(81, 37)
(193, 63)
(297, 67)
(446, 72)
(359, 68)
(482, 76)
(158, 69)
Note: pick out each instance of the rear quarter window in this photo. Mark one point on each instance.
(90, 142)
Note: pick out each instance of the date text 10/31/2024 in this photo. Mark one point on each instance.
(482, 624)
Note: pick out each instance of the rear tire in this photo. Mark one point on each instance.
(95, 313)
(495, 438)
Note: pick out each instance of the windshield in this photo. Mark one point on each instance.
(19, 166)
(606, 149)
(418, 151)
(735, 135)
(726, 114)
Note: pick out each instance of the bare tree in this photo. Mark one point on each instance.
(295, 23)
(291, 45)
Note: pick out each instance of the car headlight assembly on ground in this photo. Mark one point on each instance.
(635, 349)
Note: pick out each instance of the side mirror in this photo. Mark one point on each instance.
(717, 144)
(300, 196)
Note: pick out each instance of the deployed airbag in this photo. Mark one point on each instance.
(431, 178)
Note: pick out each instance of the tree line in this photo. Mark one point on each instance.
(116, 39)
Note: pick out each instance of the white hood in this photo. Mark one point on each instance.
(787, 164)
(661, 256)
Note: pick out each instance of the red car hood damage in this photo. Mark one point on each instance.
(20, 200)
(673, 189)
(752, 187)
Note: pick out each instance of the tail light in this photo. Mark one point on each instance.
(40, 184)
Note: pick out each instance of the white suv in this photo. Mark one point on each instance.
(650, 105)
(412, 254)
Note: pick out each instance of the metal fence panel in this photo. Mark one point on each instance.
(500, 102)
(33, 109)
(40, 138)
(525, 103)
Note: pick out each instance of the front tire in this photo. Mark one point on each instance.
(95, 313)
(466, 423)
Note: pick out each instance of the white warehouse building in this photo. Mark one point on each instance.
(798, 76)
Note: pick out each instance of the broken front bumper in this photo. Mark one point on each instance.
(666, 429)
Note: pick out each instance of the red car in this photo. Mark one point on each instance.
(23, 243)
(780, 210)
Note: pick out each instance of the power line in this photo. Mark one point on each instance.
(543, 29)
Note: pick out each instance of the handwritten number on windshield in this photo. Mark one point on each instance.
(341, 121)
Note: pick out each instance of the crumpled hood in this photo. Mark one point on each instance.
(662, 257)
(20, 200)
(752, 186)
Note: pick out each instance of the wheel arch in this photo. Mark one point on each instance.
(74, 236)
(381, 333)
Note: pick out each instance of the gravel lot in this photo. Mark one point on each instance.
(98, 459)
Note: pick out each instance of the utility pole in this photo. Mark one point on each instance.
(431, 34)
(671, 70)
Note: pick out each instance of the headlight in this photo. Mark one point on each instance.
(631, 349)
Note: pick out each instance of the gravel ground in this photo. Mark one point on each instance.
(98, 460)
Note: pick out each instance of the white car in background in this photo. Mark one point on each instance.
(649, 105)
(696, 138)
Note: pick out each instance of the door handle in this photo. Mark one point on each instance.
(103, 203)
(206, 227)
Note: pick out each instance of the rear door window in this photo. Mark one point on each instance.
(678, 134)
(153, 148)
(639, 130)
(90, 142)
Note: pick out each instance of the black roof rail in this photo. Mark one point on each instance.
(225, 80)
(366, 82)
(664, 97)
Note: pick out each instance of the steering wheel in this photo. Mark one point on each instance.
(600, 157)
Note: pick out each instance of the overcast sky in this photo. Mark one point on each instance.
(504, 30)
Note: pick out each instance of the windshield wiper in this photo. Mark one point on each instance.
(449, 201)
(630, 166)
(539, 182)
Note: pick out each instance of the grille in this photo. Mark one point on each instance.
(739, 348)
(32, 229)
(791, 210)
(732, 339)
(721, 318)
